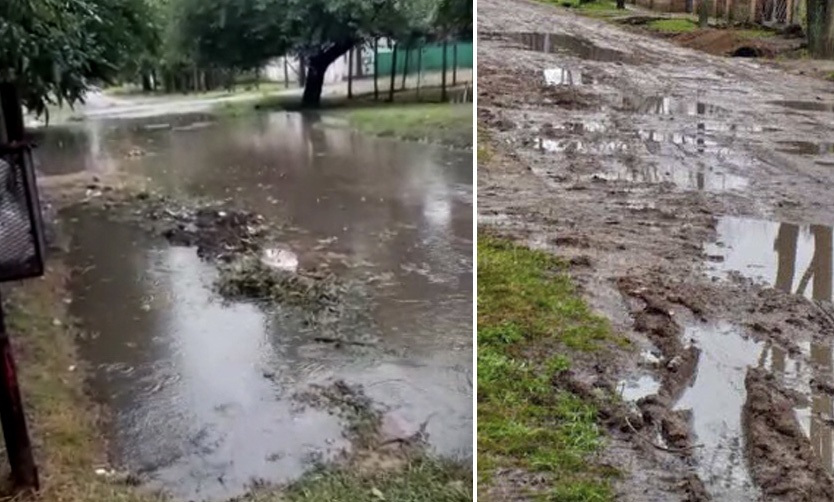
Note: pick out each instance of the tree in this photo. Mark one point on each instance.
(821, 28)
(321, 31)
(454, 17)
(54, 50)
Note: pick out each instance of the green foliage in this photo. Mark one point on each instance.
(528, 317)
(55, 49)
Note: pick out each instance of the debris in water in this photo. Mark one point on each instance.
(280, 259)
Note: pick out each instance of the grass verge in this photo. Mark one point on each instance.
(530, 319)
(69, 446)
(421, 480)
(450, 124)
(598, 9)
(673, 25)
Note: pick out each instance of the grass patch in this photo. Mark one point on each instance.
(450, 124)
(599, 8)
(421, 480)
(673, 25)
(529, 317)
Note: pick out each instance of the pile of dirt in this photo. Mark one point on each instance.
(782, 462)
(725, 42)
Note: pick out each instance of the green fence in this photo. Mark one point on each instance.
(431, 60)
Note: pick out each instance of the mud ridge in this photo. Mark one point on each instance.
(782, 462)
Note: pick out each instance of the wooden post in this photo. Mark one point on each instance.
(405, 66)
(350, 73)
(15, 432)
(443, 93)
(455, 64)
(376, 68)
(286, 73)
(393, 72)
(419, 69)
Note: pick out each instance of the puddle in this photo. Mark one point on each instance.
(634, 390)
(804, 148)
(558, 42)
(716, 397)
(201, 390)
(664, 105)
(808, 106)
(796, 259)
(100, 146)
(702, 178)
(558, 76)
(580, 146)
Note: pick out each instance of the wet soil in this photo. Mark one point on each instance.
(205, 384)
(691, 197)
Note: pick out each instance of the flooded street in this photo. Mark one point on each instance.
(691, 197)
(203, 392)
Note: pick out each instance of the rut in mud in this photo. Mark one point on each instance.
(691, 194)
(205, 364)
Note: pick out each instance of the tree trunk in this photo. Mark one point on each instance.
(313, 86)
(146, 82)
(703, 14)
(350, 74)
(286, 73)
(393, 73)
(443, 95)
(376, 69)
(405, 66)
(825, 42)
(302, 71)
(317, 68)
(12, 113)
(621, 4)
(419, 70)
(455, 64)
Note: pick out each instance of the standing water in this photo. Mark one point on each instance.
(202, 390)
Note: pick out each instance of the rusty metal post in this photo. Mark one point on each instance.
(15, 432)
(12, 416)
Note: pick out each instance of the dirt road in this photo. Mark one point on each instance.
(692, 194)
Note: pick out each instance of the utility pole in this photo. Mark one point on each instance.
(12, 416)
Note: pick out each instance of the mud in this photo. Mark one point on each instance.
(783, 465)
(697, 210)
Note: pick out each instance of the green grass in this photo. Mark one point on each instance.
(421, 480)
(673, 25)
(530, 319)
(449, 124)
(599, 8)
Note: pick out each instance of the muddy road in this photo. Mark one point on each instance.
(693, 195)
(204, 393)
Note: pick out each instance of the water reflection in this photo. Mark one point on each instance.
(800, 261)
(560, 42)
(558, 76)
